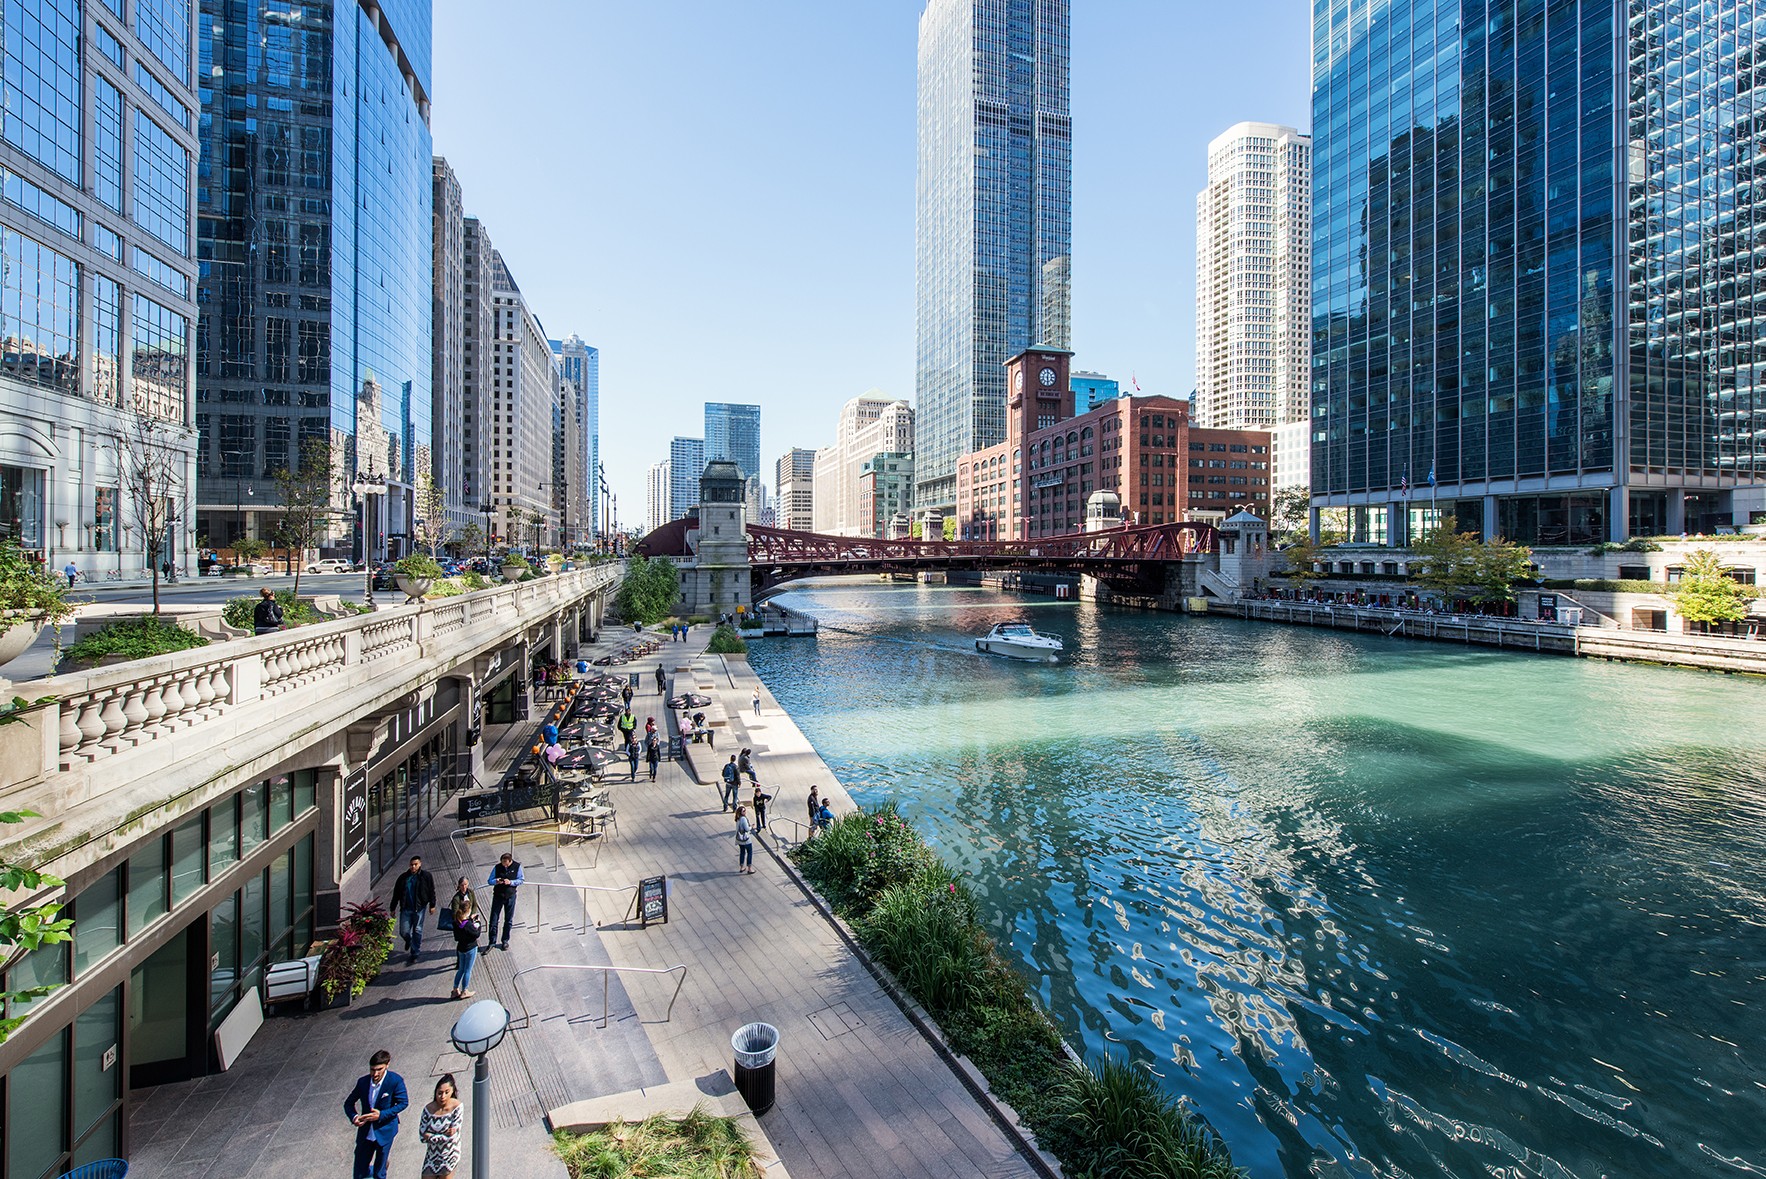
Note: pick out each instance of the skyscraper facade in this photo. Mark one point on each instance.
(97, 240)
(1532, 273)
(580, 366)
(316, 284)
(686, 457)
(524, 394)
(1253, 279)
(447, 388)
(477, 334)
(794, 484)
(658, 487)
(733, 432)
(994, 216)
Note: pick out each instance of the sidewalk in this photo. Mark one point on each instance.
(859, 1091)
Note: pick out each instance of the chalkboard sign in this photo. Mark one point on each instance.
(653, 899)
(676, 747)
(474, 807)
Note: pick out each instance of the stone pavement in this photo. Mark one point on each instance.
(859, 1091)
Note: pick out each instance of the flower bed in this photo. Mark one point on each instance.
(353, 959)
(698, 1146)
(133, 638)
(917, 918)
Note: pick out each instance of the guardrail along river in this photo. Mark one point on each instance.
(1373, 907)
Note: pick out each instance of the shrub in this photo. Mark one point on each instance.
(446, 587)
(418, 565)
(29, 590)
(649, 591)
(515, 560)
(473, 580)
(134, 638)
(725, 641)
(1120, 1124)
(699, 1146)
(237, 611)
(364, 939)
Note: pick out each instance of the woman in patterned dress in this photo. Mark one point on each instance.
(440, 1131)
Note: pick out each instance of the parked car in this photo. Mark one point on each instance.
(331, 565)
(383, 577)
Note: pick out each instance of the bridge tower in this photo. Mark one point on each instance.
(716, 581)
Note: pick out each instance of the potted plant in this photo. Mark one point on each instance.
(31, 597)
(415, 574)
(514, 567)
(354, 958)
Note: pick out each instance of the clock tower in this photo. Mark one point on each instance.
(1037, 396)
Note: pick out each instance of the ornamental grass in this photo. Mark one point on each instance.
(698, 1146)
(918, 919)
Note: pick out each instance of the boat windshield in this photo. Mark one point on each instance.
(1013, 628)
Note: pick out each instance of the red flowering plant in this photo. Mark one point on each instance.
(352, 959)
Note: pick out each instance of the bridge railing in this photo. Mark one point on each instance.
(97, 734)
(1155, 542)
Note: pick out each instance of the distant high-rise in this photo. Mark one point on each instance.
(447, 385)
(316, 240)
(994, 218)
(1253, 279)
(1534, 269)
(580, 366)
(868, 426)
(523, 402)
(477, 382)
(686, 458)
(793, 486)
(658, 487)
(733, 432)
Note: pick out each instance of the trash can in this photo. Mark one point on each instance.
(756, 1045)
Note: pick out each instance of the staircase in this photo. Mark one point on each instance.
(1219, 585)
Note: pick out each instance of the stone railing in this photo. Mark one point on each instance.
(95, 715)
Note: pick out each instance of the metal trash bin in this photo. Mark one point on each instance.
(756, 1046)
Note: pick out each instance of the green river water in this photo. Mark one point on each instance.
(1372, 907)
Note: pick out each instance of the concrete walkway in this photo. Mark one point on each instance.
(859, 1091)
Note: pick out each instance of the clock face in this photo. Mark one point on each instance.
(1020, 379)
(1047, 377)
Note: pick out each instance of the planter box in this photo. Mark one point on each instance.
(412, 587)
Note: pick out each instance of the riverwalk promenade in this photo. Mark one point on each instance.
(860, 1091)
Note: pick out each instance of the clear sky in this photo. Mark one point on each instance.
(721, 196)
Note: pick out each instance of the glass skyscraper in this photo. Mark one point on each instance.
(733, 432)
(1533, 285)
(316, 252)
(995, 218)
(686, 459)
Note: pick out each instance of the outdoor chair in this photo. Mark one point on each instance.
(103, 1169)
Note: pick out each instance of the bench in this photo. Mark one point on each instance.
(285, 982)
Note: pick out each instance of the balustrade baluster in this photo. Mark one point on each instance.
(134, 713)
(114, 720)
(205, 695)
(70, 732)
(154, 700)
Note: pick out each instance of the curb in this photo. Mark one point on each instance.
(1003, 1115)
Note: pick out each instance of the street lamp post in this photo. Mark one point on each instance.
(480, 1029)
(485, 507)
(366, 484)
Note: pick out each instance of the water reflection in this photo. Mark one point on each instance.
(1374, 908)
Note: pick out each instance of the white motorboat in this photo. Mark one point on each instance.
(1020, 642)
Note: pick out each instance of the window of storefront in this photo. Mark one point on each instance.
(268, 919)
(104, 519)
(69, 1092)
(21, 506)
(403, 799)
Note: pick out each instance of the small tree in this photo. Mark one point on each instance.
(307, 508)
(1496, 566)
(432, 514)
(1704, 595)
(1445, 561)
(1288, 512)
(26, 927)
(151, 466)
(1302, 556)
(473, 540)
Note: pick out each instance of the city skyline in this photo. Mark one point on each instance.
(814, 219)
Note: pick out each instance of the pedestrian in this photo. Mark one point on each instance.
(627, 724)
(413, 899)
(373, 1108)
(824, 817)
(467, 920)
(631, 756)
(266, 616)
(625, 694)
(504, 880)
(73, 573)
(653, 754)
(649, 727)
(757, 702)
(744, 842)
(732, 779)
(745, 764)
(661, 681)
(761, 798)
(815, 804)
(439, 1128)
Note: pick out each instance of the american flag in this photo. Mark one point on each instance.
(1404, 483)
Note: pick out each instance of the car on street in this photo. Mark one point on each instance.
(330, 565)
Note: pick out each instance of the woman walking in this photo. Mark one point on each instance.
(439, 1130)
(467, 924)
(653, 754)
(744, 842)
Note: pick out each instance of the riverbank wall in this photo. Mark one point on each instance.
(1703, 652)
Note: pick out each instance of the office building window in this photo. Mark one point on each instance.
(107, 142)
(159, 363)
(107, 340)
(42, 82)
(39, 314)
(164, 27)
(162, 184)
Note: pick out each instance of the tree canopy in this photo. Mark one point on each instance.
(1705, 595)
(651, 588)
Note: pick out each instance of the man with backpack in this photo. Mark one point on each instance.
(266, 616)
(732, 779)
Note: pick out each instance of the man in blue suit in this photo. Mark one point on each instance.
(373, 1107)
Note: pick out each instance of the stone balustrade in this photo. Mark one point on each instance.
(119, 739)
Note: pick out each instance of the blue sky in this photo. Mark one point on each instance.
(721, 196)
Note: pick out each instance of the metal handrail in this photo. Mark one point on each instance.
(667, 1015)
(460, 861)
(585, 889)
(801, 827)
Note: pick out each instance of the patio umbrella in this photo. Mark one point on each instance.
(587, 731)
(587, 757)
(690, 700)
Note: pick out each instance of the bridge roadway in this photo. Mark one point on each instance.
(119, 751)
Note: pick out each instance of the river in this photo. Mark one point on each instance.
(1372, 907)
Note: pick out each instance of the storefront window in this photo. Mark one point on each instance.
(281, 803)
(147, 885)
(21, 506)
(252, 923)
(223, 836)
(223, 932)
(303, 791)
(254, 805)
(187, 857)
(98, 1077)
(36, 1096)
(45, 966)
(97, 921)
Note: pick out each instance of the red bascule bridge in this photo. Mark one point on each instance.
(1146, 561)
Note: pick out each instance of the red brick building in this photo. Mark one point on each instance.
(1037, 481)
